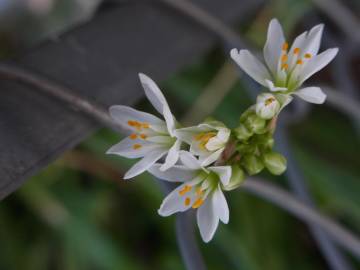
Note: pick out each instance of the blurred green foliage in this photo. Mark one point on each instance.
(77, 214)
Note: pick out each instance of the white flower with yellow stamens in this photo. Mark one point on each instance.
(287, 68)
(207, 140)
(201, 189)
(150, 137)
(267, 106)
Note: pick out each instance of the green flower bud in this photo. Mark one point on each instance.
(242, 133)
(252, 164)
(237, 177)
(265, 141)
(255, 124)
(244, 148)
(275, 162)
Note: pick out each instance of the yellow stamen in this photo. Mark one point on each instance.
(284, 58)
(299, 62)
(198, 203)
(145, 125)
(199, 192)
(296, 50)
(133, 136)
(269, 101)
(308, 55)
(285, 46)
(143, 136)
(185, 190)
(137, 146)
(284, 66)
(187, 201)
(132, 123)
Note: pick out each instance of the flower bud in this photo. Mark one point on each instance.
(255, 124)
(242, 133)
(252, 164)
(275, 162)
(267, 106)
(237, 177)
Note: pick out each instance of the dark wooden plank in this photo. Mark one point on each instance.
(99, 60)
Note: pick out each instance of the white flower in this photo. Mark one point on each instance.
(207, 140)
(267, 106)
(286, 69)
(151, 137)
(201, 189)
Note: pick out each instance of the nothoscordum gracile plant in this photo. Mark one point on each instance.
(211, 158)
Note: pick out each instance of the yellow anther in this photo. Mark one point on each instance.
(145, 125)
(284, 66)
(269, 101)
(284, 58)
(137, 146)
(197, 203)
(296, 50)
(132, 123)
(143, 136)
(185, 190)
(133, 136)
(299, 62)
(308, 55)
(285, 46)
(187, 201)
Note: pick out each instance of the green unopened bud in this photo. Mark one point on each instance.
(266, 141)
(237, 177)
(242, 133)
(255, 124)
(275, 162)
(244, 148)
(252, 164)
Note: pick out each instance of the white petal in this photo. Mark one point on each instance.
(187, 134)
(272, 49)
(317, 63)
(223, 134)
(145, 163)
(177, 173)
(311, 94)
(274, 88)
(122, 114)
(157, 99)
(162, 139)
(189, 160)
(313, 39)
(214, 144)
(172, 156)
(125, 148)
(299, 42)
(207, 219)
(210, 157)
(224, 173)
(252, 66)
(222, 208)
(174, 203)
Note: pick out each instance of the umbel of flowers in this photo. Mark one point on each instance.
(210, 158)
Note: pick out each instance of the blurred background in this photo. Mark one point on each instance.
(79, 214)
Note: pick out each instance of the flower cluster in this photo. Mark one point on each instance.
(210, 158)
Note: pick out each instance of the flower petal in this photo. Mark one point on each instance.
(189, 160)
(317, 63)
(172, 156)
(222, 208)
(174, 202)
(157, 99)
(311, 94)
(207, 219)
(210, 157)
(177, 173)
(272, 49)
(145, 163)
(224, 173)
(125, 148)
(274, 88)
(187, 134)
(313, 39)
(122, 114)
(252, 66)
